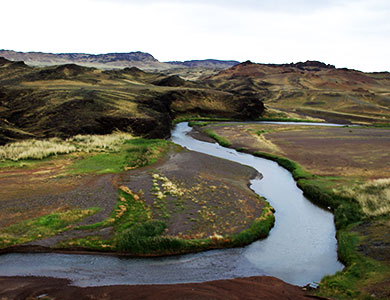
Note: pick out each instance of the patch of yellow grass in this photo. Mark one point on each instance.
(374, 196)
(39, 149)
(267, 144)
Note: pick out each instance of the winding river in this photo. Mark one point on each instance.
(300, 249)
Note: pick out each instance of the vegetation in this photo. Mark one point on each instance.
(198, 123)
(373, 196)
(134, 153)
(200, 119)
(360, 271)
(284, 119)
(258, 229)
(220, 140)
(144, 238)
(298, 171)
(141, 230)
(39, 149)
(46, 226)
(149, 238)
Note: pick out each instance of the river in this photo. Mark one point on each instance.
(300, 249)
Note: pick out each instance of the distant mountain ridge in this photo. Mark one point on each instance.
(220, 64)
(137, 59)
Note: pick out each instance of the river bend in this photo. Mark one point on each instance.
(301, 248)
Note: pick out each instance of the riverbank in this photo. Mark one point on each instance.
(335, 165)
(34, 288)
(186, 202)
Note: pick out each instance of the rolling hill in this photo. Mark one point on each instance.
(311, 89)
(62, 101)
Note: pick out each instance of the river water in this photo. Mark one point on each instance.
(300, 249)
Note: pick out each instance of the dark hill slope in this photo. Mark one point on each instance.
(70, 99)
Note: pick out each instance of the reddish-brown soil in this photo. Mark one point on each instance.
(34, 288)
(36, 191)
(329, 151)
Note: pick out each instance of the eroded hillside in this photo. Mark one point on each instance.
(69, 99)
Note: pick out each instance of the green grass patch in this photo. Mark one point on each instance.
(26, 164)
(259, 229)
(219, 139)
(271, 119)
(138, 233)
(148, 238)
(42, 227)
(320, 191)
(261, 132)
(346, 210)
(198, 118)
(198, 123)
(132, 154)
(359, 272)
(297, 171)
(379, 125)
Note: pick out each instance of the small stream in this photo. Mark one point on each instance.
(301, 248)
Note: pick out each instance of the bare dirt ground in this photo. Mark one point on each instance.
(37, 191)
(34, 288)
(215, 195)
(328, 151)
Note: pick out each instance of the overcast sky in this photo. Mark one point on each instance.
(346, 33)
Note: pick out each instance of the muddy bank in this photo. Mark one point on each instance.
(32, 288)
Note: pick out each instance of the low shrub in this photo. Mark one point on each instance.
(146, 238)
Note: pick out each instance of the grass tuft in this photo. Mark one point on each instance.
(373, 196)
(40, 149)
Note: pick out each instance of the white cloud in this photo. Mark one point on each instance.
(349, 33)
